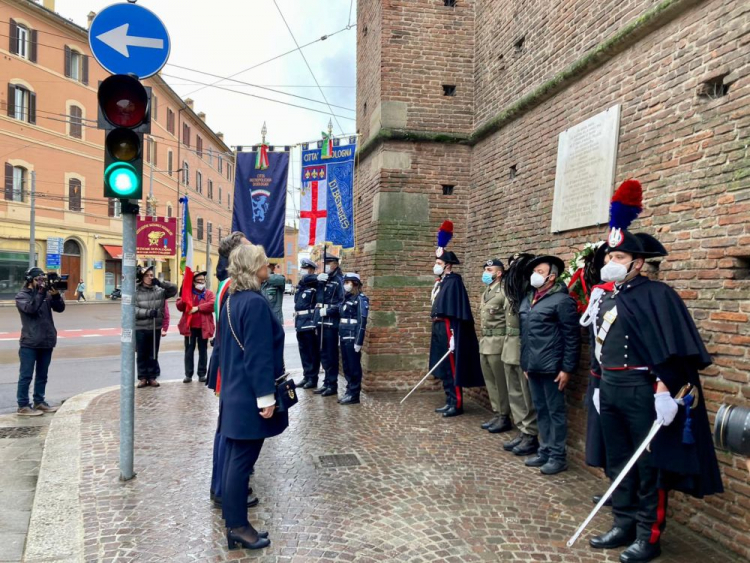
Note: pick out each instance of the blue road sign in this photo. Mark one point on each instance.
(129, 39)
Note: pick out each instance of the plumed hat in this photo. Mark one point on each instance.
(626, 205)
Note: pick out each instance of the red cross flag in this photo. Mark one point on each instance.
(313, 207)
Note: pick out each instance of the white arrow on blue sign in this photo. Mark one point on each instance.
(129, 39)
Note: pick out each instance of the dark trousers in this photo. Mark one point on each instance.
(217, 471)
(329, 357)
(196, 337)
(240, 459)
(31, 358)
(147, 357)
(309, 352)
(446, 371)
(549, 403)
(81, 296)
(352, 367)
(627, 414)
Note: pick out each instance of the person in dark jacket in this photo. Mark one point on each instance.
(352, 327)
(273, 289)
(150, 295)
(252, 357)
(304, 324)
(35, 303)
(330, 296)
(550, 348)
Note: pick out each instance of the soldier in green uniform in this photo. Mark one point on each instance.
(273, 289)
(492, 314)
(514, 284)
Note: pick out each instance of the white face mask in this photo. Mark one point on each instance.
(438, 270)
(328, 269)
(200, 286)
(614, 272)
(348, 287)
(537, 280)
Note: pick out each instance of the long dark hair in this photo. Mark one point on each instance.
(515, 282)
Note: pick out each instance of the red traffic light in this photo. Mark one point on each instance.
(123, 100)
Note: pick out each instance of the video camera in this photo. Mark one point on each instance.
(732, 429)
(52, 280)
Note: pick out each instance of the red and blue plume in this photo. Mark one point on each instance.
(626, 204)
(445, 234)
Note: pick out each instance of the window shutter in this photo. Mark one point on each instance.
(74, 194)
(67, 61)
(154, 108)
(32, 107)
(11, 100)
(110, 207)
(85, 69)
(169, 162)
(13, 34)
(155, 152)
(8, 182)
(32, 46)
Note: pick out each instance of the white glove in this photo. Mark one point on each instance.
(597, 404)
(324, 311)
(452, 344)
(357, 348)
(666, 407)
(323, 277)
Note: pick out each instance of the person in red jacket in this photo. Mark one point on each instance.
(197, 326)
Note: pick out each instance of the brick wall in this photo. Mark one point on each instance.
(578, 58)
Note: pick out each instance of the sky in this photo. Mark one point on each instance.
(245, 33)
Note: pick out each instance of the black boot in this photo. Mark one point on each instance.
(536, 461)
(311, 384)
(301, 384)
(503, 424)
(443, 408)
(349, 400)
(527, 446)
(453, 411)
(202, 378)
(508, 446)
(329, 391)
(616, 537)
(596, 498)
(490, 422)
(247, 537)
(188, 379)
(641, 551)
(320, 390)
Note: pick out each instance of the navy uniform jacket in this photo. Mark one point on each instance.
(304, 303)
(331, 296)
(247, 375)
(353, 323)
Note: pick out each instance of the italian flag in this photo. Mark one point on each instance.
(326, 151)
(261, 158)
(186, 255)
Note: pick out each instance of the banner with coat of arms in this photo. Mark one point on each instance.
(155, 236)
(260, 198)
(326, 203)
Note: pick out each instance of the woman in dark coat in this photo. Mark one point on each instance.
(252, 357)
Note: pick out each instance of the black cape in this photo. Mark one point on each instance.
(452, 302)
(661, 327)
(596, 453)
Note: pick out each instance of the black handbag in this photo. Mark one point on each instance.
(285, 394)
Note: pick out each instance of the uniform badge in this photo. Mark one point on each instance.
(488, 263)
(615, 238)
(439, 252)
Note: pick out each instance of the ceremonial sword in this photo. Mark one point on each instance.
(429, 373)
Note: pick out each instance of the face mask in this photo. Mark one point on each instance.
(438, 270)
(487, 278)
(200, 286)
(348, 287)
(614, 272)
(328, 269)
(537, 280)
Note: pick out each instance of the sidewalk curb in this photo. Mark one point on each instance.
(56, 526)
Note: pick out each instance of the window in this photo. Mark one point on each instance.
(74, 194)
(169, 210)
(148, 150)
(199, 146)
(21, 103)
(170, 121)
(186, 134)
(221, 163)
(288, 248)
(229, 172)
(219, 234)
(76, 122)
(198, 182)
(229, 201)
(449, 89)
(200, 228)
(15, 182)
(210, 189)
(185, 174)
(23, 41)
(210, 157)
(169, 162)
(154, 107)
(219, 195)
(76, 65)
(154, 152)
(114, 208)
(209, 229)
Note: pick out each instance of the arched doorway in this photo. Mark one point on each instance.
(70, 263)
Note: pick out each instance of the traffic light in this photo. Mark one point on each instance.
(125, 115)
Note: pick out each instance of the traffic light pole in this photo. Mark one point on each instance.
(127, 355)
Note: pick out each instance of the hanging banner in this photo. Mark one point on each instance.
(155, 236)
(327, 200)
(260, 199)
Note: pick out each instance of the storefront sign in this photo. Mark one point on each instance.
(98, 265)
(156, 236)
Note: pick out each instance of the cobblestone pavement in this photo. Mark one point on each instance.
(428, 489)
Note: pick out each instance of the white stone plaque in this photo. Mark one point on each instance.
(585, 175)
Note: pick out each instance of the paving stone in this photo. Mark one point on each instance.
(11, 546)
(428, 489)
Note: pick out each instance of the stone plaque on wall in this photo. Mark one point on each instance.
(584, 179)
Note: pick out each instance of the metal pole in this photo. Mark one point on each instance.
(32, 221)
(208, 257)
(127, 354)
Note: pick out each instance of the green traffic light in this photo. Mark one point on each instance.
(122, 179)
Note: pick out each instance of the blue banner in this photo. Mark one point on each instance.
(338, 176)
(260, 201)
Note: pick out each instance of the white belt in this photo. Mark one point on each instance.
(348, 321)
(609, 318)
(308, 312)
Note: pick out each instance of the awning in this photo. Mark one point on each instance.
(113, 251)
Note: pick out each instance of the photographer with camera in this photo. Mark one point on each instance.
(35, 302)
(150, 297)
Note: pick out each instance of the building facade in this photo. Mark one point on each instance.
(48, 113)
(460, 104)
